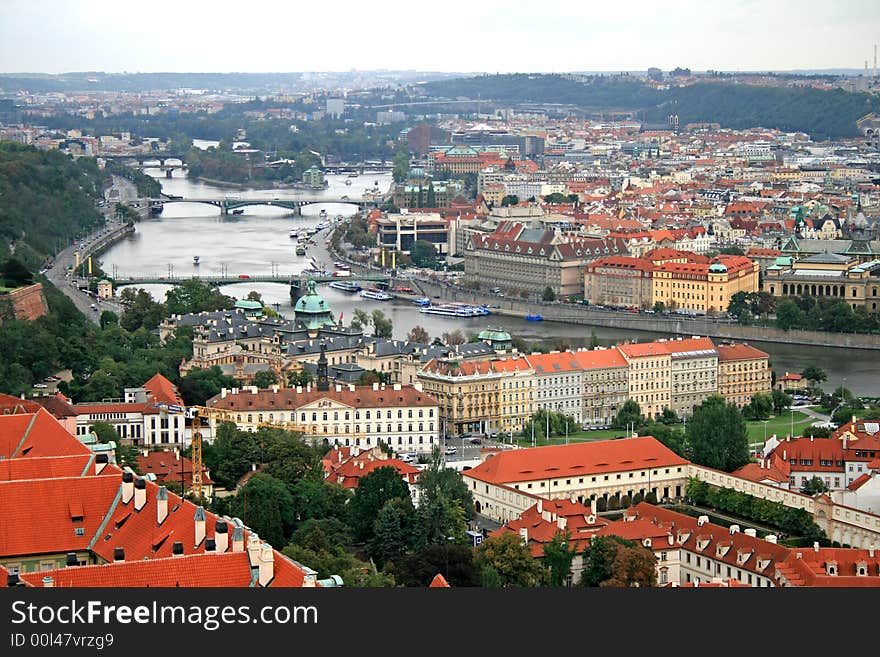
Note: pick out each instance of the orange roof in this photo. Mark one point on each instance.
(349, 474)
(577, 459)
(594, 359)
(162, 390)
(36, 434)
(169, 466)
(643, 349)
(728, 352)
(754, 472)
(439, 582)
(9, 405)
(552, 363)
(49, 467)
(483, 367)
(541, 522)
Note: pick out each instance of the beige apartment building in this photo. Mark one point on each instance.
(694, 371)
(605, 380)
(743, 371)
(649, 373)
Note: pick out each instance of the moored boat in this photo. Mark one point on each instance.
(345, 286)
(375, 294)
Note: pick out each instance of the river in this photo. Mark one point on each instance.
(257, 242)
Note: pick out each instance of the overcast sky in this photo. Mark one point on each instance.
(55, 36)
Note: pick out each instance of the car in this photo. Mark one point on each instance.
(243, 276)
(450, 450)
(476, 441)
(494, 434)
(407, 457)
(40, 385)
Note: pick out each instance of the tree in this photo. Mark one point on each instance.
(659, 307)
(594, 339)
(361, 319)
(320, 500)
(194, 296)
(108, 318)
(104, 432)
(127, 456)
(382, 326)
(510, 199)
(15, 274)
(548, 295)
(632, 566)
(265, 505)
(780, 400)
(630, 414)
(232, 454)
(511, 559)
(435, 482)
(431, 197)
(489, 578)
(453, 338)
(789, 315)
(401, 165)
(455, 562)
(815, 375)
(814, 486)
(265, 379)
(671, 436)
(301, 378)
(389, 541)
(759, 407)
(598, 558)
(373, 491)
(558, 557)
(717, 435)
(668, 416)
(423, 254)
(288, 457)
(418, 334)
(199, 385)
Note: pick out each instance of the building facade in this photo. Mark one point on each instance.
(743, 371)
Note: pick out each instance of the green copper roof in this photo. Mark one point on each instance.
(246, 304)
(311, 303)
(494, 335)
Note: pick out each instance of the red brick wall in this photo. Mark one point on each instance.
(28, 302)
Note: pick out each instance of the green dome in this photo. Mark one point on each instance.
(494, 335)
(717, 268)
(312, 310)
(856, 270)
(246, 304)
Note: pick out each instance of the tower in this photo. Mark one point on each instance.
(323, 383)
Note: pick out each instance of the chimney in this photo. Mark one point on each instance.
(223, 393)
(101, 461)
(310, 578)
(561, 522)
(702, 520)
(12, 579)
(540, 506)
(127, 486)
(815, 546)
(785, 455)
(750, 531)
(200, 525)
(770, 538)
(72, 559)
(267, 564)
(210, 545)
(593, 506)
(275, 388)
(140, 493)
(177, 549)
(524, 534)
(734, 529)
(871, 550)
(221, 535)
(253, 549)
(376, 385)
(48, 582)
(118, 554)
(161, 505)
(238, 539)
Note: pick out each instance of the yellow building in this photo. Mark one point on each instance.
(483, 396)
(704, 287)
(743, 372)
(827, 275)
(650, 372)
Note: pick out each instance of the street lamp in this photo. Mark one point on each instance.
(765, 430)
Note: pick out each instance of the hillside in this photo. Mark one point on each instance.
(822, 114)
(47, 199)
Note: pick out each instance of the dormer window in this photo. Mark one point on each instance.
(831, 568)
(647, 542)
(861, 568)
(702, 543)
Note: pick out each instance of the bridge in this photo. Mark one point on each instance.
(227, 205)
(296, 281)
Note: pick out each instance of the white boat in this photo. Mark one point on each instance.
(375, 294)
(345, 286)
(323, 214)
(454, 310)
(195, 260)
(293, 233)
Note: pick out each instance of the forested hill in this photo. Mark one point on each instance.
(46, 198)
(822, 114)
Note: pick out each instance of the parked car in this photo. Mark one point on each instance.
(450, 450)
(476, 441)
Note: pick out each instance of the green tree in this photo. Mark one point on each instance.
(594, 340)
(400, 172)
(659, 307)
(717, 435)
(556, 197)
(319, 500)
(423, 254)
(455, 562)
(558, 557)
(373, 491)
(265, 505)
(105, 432)
(436, 482)
(815, 375)
(548, 294)
(108, 318)
(127, 456)
(390, 539)
(599, 558)
(232, 454)
(759, 407)
(510, 199)
(671, 436)
(301, 378)
(265, 379)
(361, 319)
(382, 326)
(632, 566)
(814, 486)
(194, 296)
(630, 414)
(511, 559)
(668, 416)
(288, 457)
(789, 315)
(199, 385)
(780, 400)
(489, 577)
(141, 310)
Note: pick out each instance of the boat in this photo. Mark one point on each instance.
(534, 318)
(238, 211)
(345, 286)
(195, 260)
(375, 294)
(424, 301)
(454, 310)
(323, 214)
(353, 174)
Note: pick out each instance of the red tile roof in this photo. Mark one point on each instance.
(36, 434)
(349, 474)
(169, 466)
(599, 359)
(542, 520)
(729, 352)
(162, 390)
(483, 367)
(439, 582)
(11, 405)
(754, 472)
(577, 459)
(48, 467)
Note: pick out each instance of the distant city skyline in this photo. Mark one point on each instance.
(52, 36)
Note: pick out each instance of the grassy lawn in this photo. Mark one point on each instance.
(781, 426)
(575, 437)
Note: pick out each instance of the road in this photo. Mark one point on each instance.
(58, 273)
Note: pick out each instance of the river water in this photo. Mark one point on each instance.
(257, 242)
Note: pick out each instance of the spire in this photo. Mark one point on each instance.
(323, 383)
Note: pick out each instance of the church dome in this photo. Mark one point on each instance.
(311, 310)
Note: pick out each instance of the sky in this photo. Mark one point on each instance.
(56, 36)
